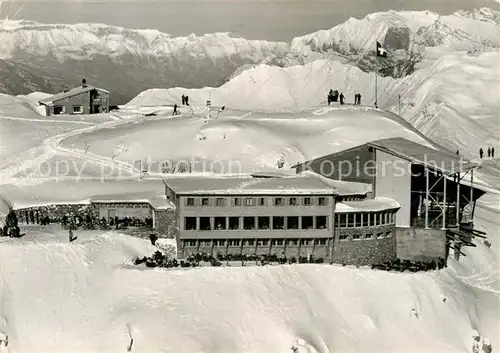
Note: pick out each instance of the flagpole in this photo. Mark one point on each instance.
(376, 75)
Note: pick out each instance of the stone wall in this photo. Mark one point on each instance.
(420, 244)
(166, 223)
(364, 251)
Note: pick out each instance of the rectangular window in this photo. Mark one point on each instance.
(342, 220)
(205, 242)
(205, 201)
(249, 201)
(190, 201)
(292, 201)
(190, 243)
(356, 236)
(263, 222)
(305, 242)
(292, 242)
(320, 241)
(307, 222)
(278, 222)
(292, 222)
(263, 242)
(307, 201)
(249, 242)
(343, 236)
(190, 223)
(350, 219)
(220, 201)
(322, 201)
(321, 222)
(237, 201)
(278, 201)
(205, 223)
(249, 223)
(277, 242)
(234, 242)
(262, 201)
(77, 109)
(368, 236)
(357, 221)
(234, 223)
(59, 109)
(220, 223)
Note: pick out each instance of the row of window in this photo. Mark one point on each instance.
(254, 242)
(257, 201)
(366, 236)
(122, 205)
(357, 220)
(253, 223)
(61, 109)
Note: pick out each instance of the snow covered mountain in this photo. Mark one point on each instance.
(414, 39)
(48, 57)
(125, 61)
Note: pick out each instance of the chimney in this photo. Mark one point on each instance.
(84, 83)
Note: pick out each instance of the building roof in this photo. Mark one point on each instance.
(72, 92)
(437, 159)
(344, 188)
(158, 202)
(246, 184)
(368, 205)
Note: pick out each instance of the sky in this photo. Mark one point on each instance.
(267, 20)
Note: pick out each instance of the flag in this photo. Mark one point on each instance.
(381, 52)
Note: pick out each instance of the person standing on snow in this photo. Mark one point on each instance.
(359, 98)
(489, 152)
(481, 153)
(341, 98)
(183, 99)
(476, 342)
(492, 152)
(186, 100)
(487, 345)
(175, 110)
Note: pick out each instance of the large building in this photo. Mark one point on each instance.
(433, 186)
(282, 215)
(83, 99)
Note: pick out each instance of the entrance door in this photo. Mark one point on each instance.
(111, 213)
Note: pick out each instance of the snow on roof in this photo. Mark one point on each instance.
(368, 205)
(415, 152)
(246, 184)
(278, 173)
(72, 92)
(156, 201)
(343, 188)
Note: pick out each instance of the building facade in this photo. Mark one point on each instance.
(84, 99)
(424, 180)
(289, 216)
(335, 221)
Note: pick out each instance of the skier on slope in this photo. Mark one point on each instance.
(476, 342)
(4, 343)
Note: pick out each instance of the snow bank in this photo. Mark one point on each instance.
(90, 295)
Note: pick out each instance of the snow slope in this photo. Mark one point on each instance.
(458, 92)
(91, 295)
